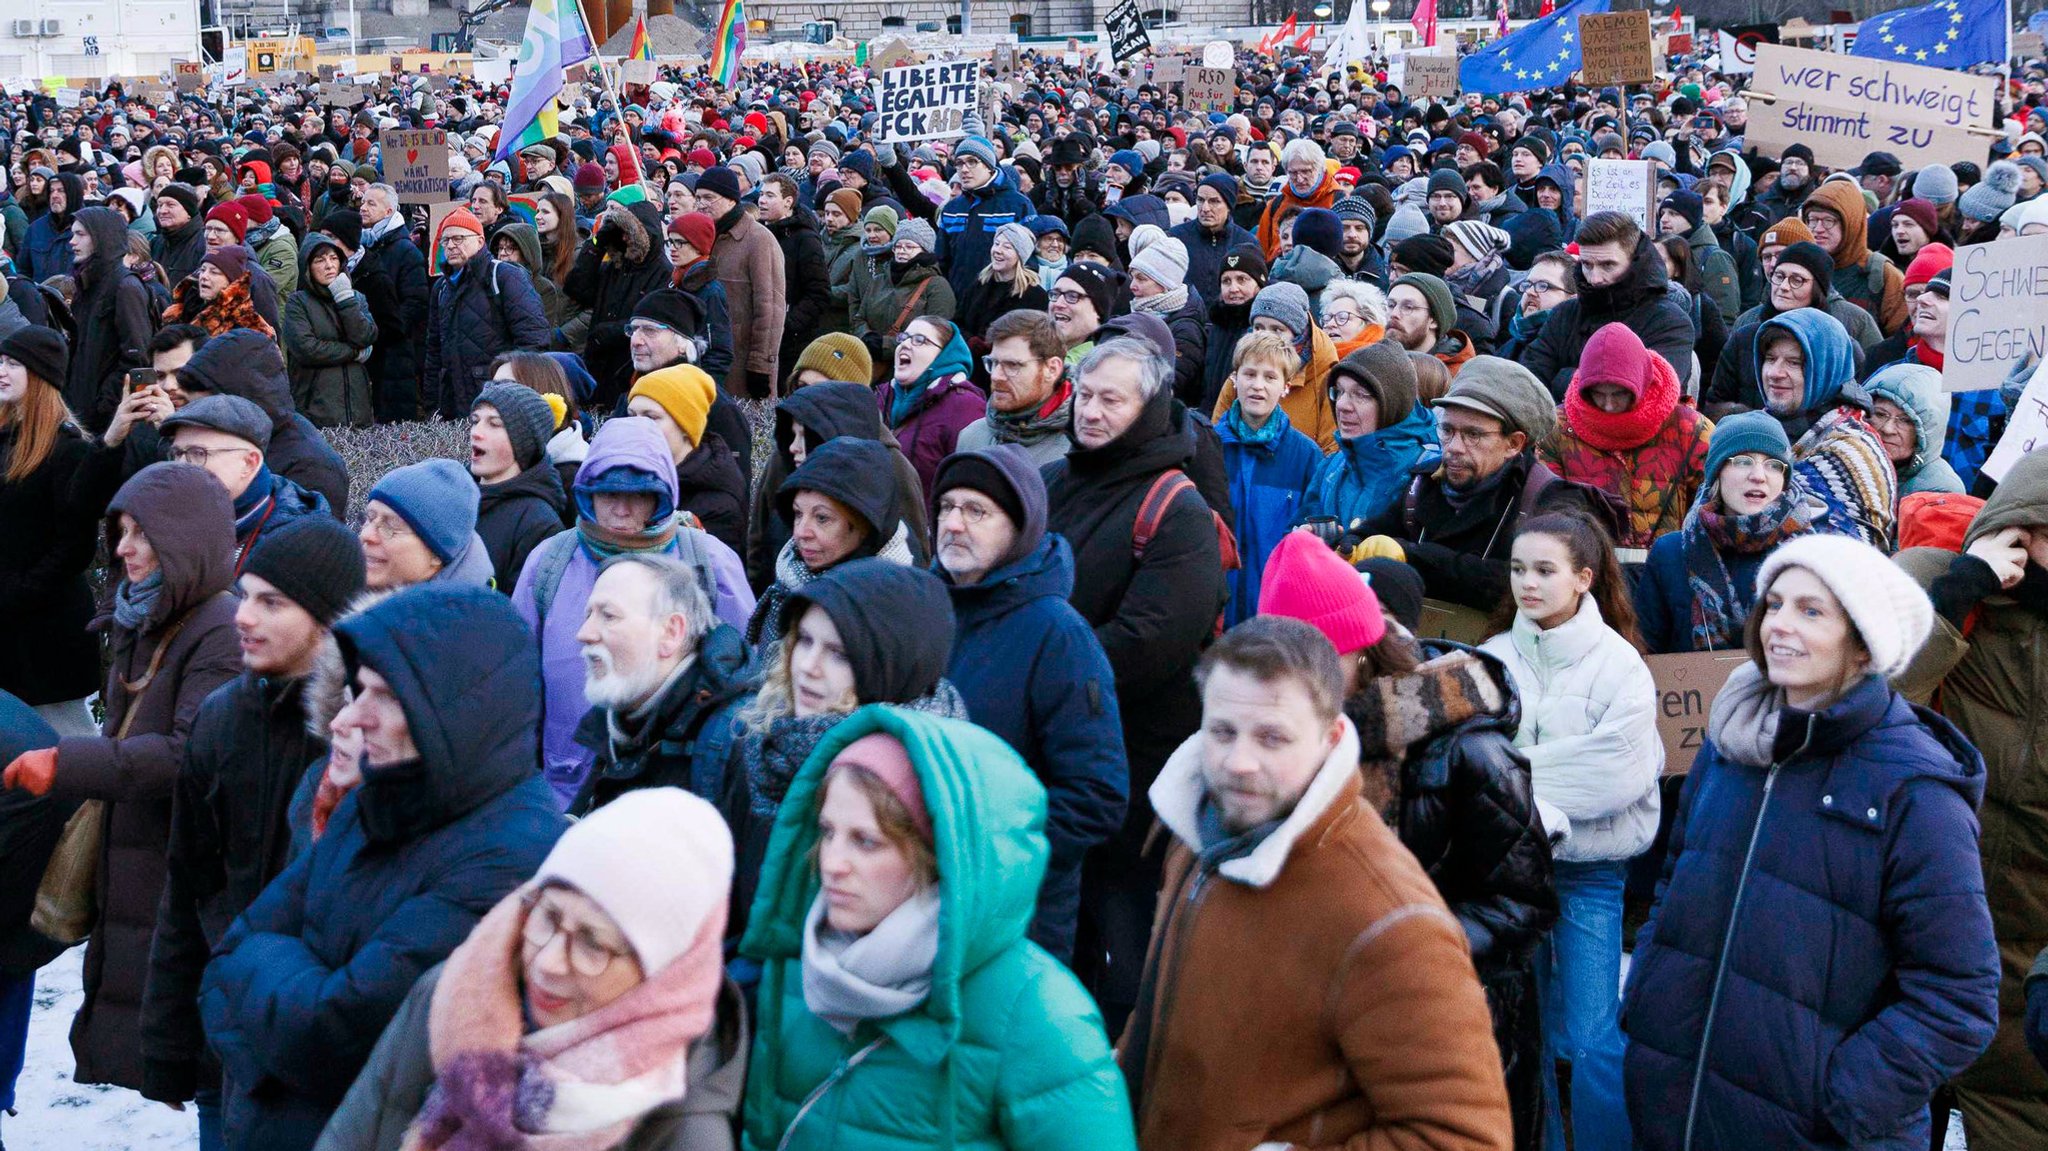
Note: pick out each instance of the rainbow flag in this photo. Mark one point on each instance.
(642, 48)
(728, 40)
(556, 37)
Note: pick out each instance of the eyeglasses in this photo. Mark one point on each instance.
(1744, 462)
(646, 328)
(1008, 367)
(1783, 279)
(1541, 287)
(1338, 319)
(387, 528)
(916, 340)
(587, 957)
(1882, 421)
(194, 454)
(1452, 433)
(1407, 307)
(1068, 296)
(973, 514)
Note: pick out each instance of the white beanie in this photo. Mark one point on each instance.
(1165, 261)
(658, 861)
(1891, 614)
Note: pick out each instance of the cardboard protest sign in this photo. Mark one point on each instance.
(1625, 186)
(1614, 48)
(416, 163)
(493, 71)
(2026, 430)
(1995, 317)
(925, 101)
(1845, 107)
(890, 53)
(1686, 686)
(641, 72)
(1432, 74)
(1451, 621)
(1169, 70)
(1209, 90)
(1128, 39)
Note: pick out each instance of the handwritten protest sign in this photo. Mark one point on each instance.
(1995, 317)
(1614, 48)
(926, 101)
(416, 163)
(1169, 70)
(1209, 90)
(1128, 39)
(1845, 107)
(2026, 430)
(1625, 186)
(1686, 686)
(641, 72)
(1432, 74)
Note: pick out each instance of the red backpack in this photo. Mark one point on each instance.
(1152, 511)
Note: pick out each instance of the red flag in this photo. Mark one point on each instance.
(1424, 22)
(1677, 16)
(1549, 6)
(1275, 38)
(1302, 41)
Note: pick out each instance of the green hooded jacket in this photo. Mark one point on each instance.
(1006, 1052)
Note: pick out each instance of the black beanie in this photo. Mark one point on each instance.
(1247, 258)
(314, 561)
(1817, 263)
(43, 351)
(674, 309)
(346, 226)
(186, 198)
(1430, 254)
(1099, 282)
(1006, 474)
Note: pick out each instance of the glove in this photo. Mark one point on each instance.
(1377, 547)
(885, 155)
(1325, 528)
(340, 288)
(32, 771)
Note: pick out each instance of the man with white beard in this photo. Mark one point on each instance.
(665, 680)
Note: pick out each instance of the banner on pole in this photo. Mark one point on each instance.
(925, 101)
(1128, 39)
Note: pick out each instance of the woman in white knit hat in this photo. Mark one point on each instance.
(1820, 958)
(588, 1011)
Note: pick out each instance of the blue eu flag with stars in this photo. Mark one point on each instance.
(1948, 34)
(1543, 54)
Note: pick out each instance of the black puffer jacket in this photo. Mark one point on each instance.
(1641, 299)
(50, 519)
(714, 489)
(807, 281)
(622, 262)
(392, 276)
(246, 364)
(248, 750)
(475, 316)
(30, 826)
(1458, 794)
(662, 751)
(515, 516)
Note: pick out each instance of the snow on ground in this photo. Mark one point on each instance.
(54, 1114)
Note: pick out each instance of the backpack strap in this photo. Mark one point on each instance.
(909, 306)
(547, 563)
(1411, 509)
(1152, 511)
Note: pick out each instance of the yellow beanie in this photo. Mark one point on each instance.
(684, 392)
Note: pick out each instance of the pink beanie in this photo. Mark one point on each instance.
(885, 756)
(1307, 581)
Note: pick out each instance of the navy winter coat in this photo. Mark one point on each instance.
(968, 224)
(1206, 250)
(1663, 596)
(475, 316)
(1032, 671)
(1820, 957)
(309, 976)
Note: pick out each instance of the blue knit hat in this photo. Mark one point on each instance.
(1747, 433)
(1129, 160)
(436, 498)
(1225, 185)
(978, 147)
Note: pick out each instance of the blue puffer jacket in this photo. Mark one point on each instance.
(1366, 474)
(1820, 957)
(1269, 483)
(1032, 671)
(474, 315)
(968, 224)
(307, 978)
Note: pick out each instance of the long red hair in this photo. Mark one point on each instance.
(40, 418)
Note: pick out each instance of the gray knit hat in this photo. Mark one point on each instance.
(1443, 307)
(1164, 260)
(1506, 391)
(1020, 239)
(529, 422)
(1989, 200)
(918, 232)
(1479, 240)
(1284, 302)
(1936, 183)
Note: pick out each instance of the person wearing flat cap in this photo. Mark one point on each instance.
(228, 436)
(1455, 519)
(249, 745)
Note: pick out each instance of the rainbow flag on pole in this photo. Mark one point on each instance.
(556, 37)
(728, 39)
(642, 48)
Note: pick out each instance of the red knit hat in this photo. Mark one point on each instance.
(1616, 355)
(257, 207)
(1307, 581)
(697, 229)
(460, 220)
(1929, 262)
(235, 216)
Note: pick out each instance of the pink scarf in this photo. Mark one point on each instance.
(576, 1086)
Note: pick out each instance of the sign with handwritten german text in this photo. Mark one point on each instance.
(1846, 107)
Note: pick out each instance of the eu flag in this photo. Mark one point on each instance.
(1948, 34)
(1544, 54)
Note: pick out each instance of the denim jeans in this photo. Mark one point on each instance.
(17, 999)
(1579, 973)
(206, 1101)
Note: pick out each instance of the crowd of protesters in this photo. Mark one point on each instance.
(943, 644)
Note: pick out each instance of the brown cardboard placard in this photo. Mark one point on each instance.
(1614, 48)
(1687, 683)
(1846, 107)
(416, 163)
(1431, 74)
(1442, 619)
(1209, 90)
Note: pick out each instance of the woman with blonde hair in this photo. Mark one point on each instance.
(1007, 284)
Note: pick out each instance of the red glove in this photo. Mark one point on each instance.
(32, 771)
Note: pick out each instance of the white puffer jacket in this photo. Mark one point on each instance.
(1589, 728)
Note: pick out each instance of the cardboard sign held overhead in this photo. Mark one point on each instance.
(1995, 318)
(2026, 431)
(1846, 107)
(416, 163)
(1625, 186)
(641, 72)
(1169, 70)
(890, 53)
(925, 101)
(1686, 686)
(1614, 48)
(1430, 74)
(1209, 90)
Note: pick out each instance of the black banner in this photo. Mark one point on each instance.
(1127, 36)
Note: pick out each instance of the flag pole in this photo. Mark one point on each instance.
(604, 77)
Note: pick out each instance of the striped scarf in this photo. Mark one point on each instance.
(1841, 460)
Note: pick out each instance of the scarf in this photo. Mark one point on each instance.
(1049, 271)
(1035, 425)
(1220, 845)
(1483, 489)
(1720, 606)
(576, 1086)
(879, 975)
(1921, 353)
(1470, 280)
(772, 757)
(601, 545)
(1274, 428)
(627, 731)
(1163, 304)
(1486, 207)
(133, 602)
(1525, 327)
(381, 229)
(901, 268)
(877, 251)
(1395, 714)
(1743, 721)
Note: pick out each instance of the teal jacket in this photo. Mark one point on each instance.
(1008, 1050)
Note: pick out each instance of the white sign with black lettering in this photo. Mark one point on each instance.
(925, 101)
(1625, 186)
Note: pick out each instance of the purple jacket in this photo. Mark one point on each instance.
(948, 405)
(624, 442)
